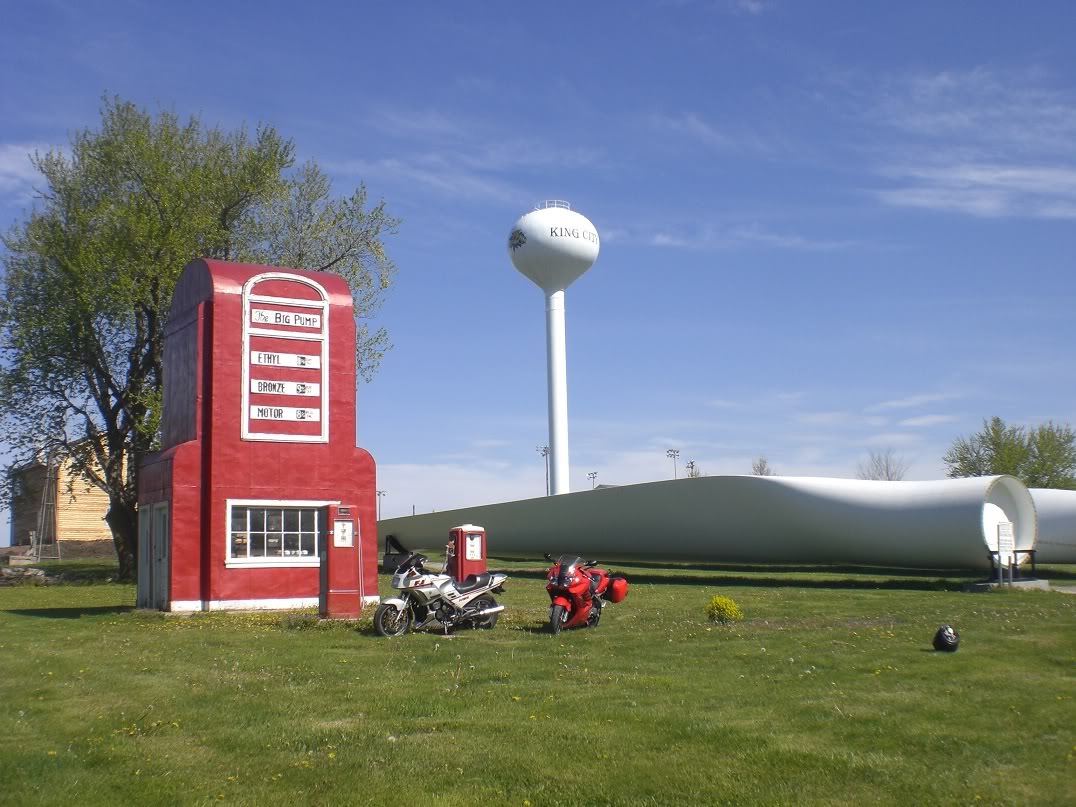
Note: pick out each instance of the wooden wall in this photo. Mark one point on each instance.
(80, 506)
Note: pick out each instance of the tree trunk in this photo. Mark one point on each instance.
(122, 519)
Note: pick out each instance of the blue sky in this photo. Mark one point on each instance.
(826, 227)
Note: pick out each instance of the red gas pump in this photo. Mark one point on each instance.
(467, 551)
(341, 583)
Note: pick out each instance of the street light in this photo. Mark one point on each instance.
(672, 454)
(380, 495)
(592, 476)
(544, 451)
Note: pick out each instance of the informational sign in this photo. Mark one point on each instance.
(285, 360)
(284, 413)
(343, 533)
(473, 547)
(1006, 543)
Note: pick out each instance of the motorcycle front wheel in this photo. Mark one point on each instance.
(489, 620)
(392, 620)
(557, 617)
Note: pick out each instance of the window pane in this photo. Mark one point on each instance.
(274, 521)
(291, 543)
(308, 544)
(239, 544)
(291, 520)
(257, 519)
(239, 519)
(273, 545)
(257, 544)
(308, 520)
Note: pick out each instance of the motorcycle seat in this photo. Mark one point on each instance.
(473, 581)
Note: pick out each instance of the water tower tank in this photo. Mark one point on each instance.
(553, 245)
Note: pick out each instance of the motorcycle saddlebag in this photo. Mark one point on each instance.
(618, 589)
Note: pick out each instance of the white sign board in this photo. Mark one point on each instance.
(291, 413)
(343, 533)
(473, 547)
(262, 316)
(285, 360)
(285, 387)
(1006, 543)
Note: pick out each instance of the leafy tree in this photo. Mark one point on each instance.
(90, 274)
(761, 467)
(693, 470)
(885, 465)
(1043, 456)
(1052, 463)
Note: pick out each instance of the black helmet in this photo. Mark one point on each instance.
(946, 639)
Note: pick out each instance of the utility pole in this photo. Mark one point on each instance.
(592, 476)
(380, 496)
(544, 451)
(672, 454)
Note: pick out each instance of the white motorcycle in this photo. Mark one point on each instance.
(429, 598)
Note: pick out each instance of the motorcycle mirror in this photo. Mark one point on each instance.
(548, 557)
(590, 563)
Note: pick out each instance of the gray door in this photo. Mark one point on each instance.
(161, 553)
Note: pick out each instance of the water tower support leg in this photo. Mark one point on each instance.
(558, 393)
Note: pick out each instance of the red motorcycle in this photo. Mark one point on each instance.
(578, 591)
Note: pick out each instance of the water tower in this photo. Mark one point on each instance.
(552, 246)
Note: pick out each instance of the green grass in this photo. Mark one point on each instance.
(826, 693)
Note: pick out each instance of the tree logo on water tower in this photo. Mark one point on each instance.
(516, 240)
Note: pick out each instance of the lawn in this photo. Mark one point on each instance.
(827, 693)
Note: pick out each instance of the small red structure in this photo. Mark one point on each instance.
(258, 476)
(468, 551)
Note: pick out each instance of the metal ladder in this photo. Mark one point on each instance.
(44, 544)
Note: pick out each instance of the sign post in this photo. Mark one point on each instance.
(1006, 544)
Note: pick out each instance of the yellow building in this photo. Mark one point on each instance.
(77, 517)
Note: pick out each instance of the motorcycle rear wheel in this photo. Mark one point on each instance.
(594, 616)
(557, 617)
(489, 620)
(392, 620)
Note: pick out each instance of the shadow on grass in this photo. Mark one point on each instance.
(71, 613)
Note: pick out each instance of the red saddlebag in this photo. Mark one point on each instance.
(618, 589)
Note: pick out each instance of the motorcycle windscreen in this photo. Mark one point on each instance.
(569, 566)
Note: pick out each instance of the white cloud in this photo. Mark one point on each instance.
(693, 127)
(892, 439)
(17, 173)
(754, 7)
(928, 420)
(988, 190)
(842, 419)
(437, 173)
(448, 485)
(912, 401)
(980, 143)
(741, 236)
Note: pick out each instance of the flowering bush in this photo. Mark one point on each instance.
(723, 609)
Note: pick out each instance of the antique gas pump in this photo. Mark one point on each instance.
(467, 548)
(341, 583)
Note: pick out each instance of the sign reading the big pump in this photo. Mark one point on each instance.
(285, 360)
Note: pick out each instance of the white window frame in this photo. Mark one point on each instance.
(274, 563)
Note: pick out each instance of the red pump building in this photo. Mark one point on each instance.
(258, 480)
